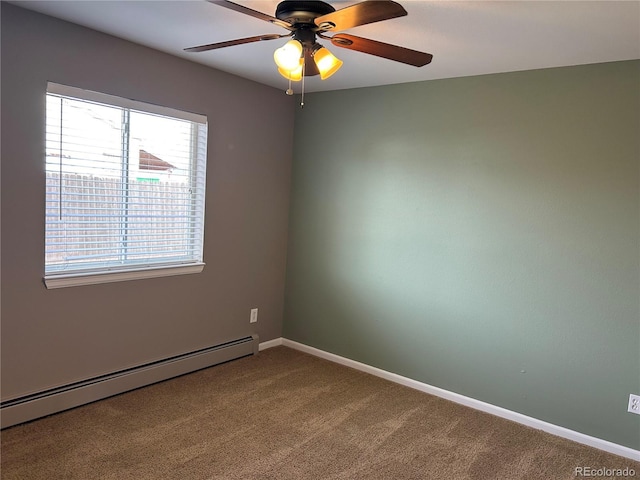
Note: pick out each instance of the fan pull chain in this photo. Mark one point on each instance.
(304, 64)
(289, 90)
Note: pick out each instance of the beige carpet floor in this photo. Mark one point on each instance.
(283, 414)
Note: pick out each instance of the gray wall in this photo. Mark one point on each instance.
(478, 234)
(51, 337)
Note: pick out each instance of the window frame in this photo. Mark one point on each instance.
(103, 274)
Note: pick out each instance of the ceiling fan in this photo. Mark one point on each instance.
(308, 20)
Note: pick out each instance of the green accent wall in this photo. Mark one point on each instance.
(478, 234)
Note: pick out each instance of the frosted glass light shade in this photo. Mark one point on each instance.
(326, 62)
(293, 75)
(289, 56)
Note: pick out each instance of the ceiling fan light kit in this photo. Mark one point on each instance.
(308, 20)
(290, 60)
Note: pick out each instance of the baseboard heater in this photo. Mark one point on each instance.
(30, 407)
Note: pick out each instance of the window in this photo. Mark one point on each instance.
(125, 189)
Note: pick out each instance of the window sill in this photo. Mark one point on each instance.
(78, 279)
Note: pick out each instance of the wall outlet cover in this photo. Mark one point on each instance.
(634, 404)
(254, 315)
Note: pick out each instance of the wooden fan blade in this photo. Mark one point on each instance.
(252, 13)
(230, 43)
(360, 14)
(380, 49)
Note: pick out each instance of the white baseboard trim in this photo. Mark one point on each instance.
(276, 342)
(466, 401)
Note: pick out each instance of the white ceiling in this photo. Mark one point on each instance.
(465, 37)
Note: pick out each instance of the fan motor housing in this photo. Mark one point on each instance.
(302, 12)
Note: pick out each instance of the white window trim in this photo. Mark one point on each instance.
(107, 99)
(95, 278)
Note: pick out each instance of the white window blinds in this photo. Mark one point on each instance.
(125, 185)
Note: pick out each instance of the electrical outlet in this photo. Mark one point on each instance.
(254, 315)
(634, 404)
